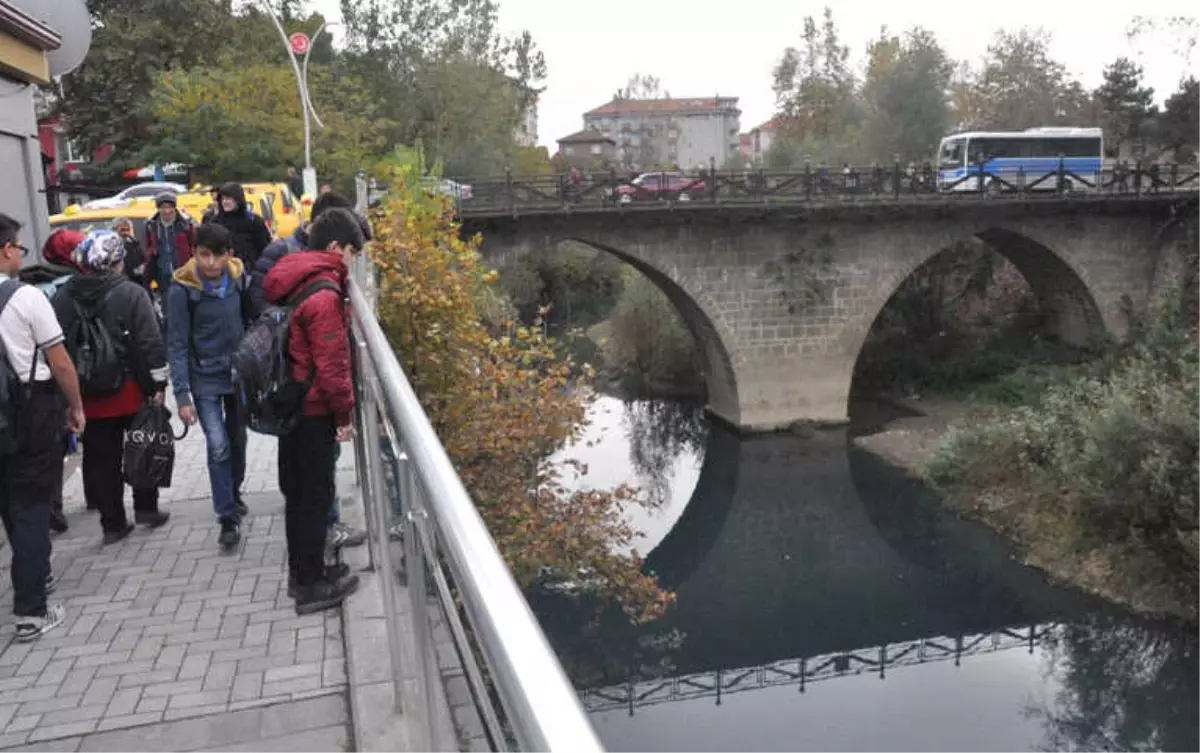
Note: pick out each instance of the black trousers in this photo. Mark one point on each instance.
(27, 481)
(307, 458)
(103, 482)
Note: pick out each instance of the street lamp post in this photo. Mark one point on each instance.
(306, 45)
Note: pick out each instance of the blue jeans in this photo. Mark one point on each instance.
(225, 435)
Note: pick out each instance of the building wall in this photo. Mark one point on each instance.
(22, 189)
(688, 139)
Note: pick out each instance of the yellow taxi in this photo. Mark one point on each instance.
(74, 217)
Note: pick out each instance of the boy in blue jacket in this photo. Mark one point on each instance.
(205, 321)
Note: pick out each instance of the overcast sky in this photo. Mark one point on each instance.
(704, 47)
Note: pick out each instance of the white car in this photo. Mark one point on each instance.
(447, 187)
(140, 191)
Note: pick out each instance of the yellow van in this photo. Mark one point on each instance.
(285, 216)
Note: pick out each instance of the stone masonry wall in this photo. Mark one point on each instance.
(782, 302)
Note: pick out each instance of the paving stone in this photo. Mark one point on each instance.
(128, 720)
(61, 730)
(220, 675)
(124, 702)
(170, 688)
(158, 703)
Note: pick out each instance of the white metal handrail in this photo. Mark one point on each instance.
(540, 705)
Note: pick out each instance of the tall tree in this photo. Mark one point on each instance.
(405, 49)
(815, 89)
(642, 86)
(1125, 105)
(1179, 123)
(1023, 86)
(904, 93)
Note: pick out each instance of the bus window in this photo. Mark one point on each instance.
(952, 154)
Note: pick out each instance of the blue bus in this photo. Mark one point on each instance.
(1004, 153)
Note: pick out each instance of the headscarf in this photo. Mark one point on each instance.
(101, 250)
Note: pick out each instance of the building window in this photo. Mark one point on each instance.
(569, 150)
(73, 152)
(597, 149)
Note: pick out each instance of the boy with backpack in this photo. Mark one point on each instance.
(311, 288)
(339, 534)
(205, 322)
(113, 336)
(35, 375)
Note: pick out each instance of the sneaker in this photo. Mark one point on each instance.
(242, 508)
(231, 533)
(324, 594)
(32, 628)
(155, 519)
(58, 522)
(341, 535)
(112, 537)
(332, 572)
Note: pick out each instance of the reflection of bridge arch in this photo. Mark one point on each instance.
(807, 670)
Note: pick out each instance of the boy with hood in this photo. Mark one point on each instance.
(248, 232)
(205, 323)
(318, 346)
(126, 311)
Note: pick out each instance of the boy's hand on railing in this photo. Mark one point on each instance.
(344, 432)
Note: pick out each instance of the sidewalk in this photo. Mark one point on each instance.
(164, 634)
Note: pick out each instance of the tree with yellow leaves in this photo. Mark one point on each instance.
(502, 402)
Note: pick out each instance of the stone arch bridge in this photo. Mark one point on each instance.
(781, 299)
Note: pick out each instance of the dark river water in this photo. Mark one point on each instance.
(827, 602)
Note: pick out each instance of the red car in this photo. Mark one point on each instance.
(660, 186)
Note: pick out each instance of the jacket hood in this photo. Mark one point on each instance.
(235, 192)
(187, 275)
(296, 270)
(90, 288)
(36, 274)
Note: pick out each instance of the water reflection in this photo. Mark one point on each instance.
(798, 557)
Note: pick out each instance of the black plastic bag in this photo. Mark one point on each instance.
(149, 457)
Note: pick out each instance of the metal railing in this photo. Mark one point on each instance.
(446, 544)
(612, 191)
(807, 670)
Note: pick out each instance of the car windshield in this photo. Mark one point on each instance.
(86, 226)
(952, 152)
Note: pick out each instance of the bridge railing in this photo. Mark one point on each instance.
(610, 190)
(448, 551)
(808, 670)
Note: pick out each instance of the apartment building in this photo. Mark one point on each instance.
(687, 132)
(24, 44)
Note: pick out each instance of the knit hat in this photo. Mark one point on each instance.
(101, 250)
(166, 197)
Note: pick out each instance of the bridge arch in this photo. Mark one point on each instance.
(1061, 289)
(719, 377)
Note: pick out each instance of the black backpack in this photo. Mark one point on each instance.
(262, 370)
(11, 392)
(99, 357)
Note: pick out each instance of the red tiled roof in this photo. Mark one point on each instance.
(770, 125)
(587, 136)
(649, 106)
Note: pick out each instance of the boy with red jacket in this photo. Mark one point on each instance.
(318, 345)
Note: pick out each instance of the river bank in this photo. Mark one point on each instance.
(908, 433)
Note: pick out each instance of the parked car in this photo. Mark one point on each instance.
(669, 186)
(146, 190)
(285, 207)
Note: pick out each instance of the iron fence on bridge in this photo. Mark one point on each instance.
(804, 671)
(599, 191)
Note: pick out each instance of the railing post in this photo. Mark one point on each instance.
(414, 513)
(980, 181)
(383, 570)
(896, 180)
(1021, 179)
(1137, 178)
(508, 189)
(1062, 176)
(712, 178)
(808, 183)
